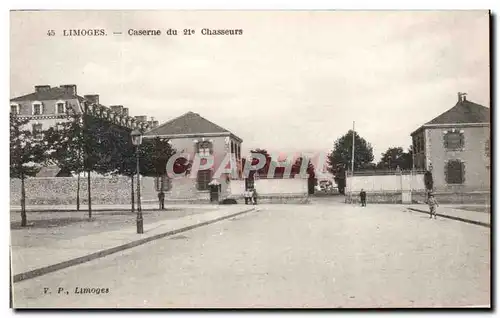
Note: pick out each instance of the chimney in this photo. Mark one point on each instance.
(153, 123)
(70, 89)
(141, 119)
(461, 97)
(125, 111)
(42, 88)
(93, 99)
(117, 109)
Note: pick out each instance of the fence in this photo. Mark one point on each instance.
(273, 190)
(400, 187)
(387, 172)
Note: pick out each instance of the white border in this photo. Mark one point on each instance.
(194, 4)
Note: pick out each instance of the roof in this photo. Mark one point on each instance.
(188, 124)
(48, 171)
(49, 94)
(464, 112)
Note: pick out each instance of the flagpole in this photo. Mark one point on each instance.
(352, 160)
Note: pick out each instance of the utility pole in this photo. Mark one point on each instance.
(352, 161)
(86, 132)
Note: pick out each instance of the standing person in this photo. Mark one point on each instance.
(362, 196)
(247, 196)
(254, 196)
(432, 205)
(161, 200)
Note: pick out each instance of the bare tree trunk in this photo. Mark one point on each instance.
(132, 192)
(23, 202)
(90, 197)
(78, 193)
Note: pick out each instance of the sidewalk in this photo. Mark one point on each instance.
(458, 212)
(56, 250)
(104, 207)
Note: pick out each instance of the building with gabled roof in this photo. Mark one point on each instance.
(455, 147)
(192, 135)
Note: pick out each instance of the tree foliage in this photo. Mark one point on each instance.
(396, 157)
(342, 152)
(339, 160)
(26, 152)
(26, 156)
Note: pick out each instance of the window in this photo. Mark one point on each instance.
(37, 108)
(37, 131)
(60, 107)
(455, 172)
(14, 109)
(204, 148)
(59, 126)
(487, 148)
(203, 179)
(453, 140)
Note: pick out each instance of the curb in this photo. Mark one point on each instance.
(83, 259)
(93, 211)
(456, 218)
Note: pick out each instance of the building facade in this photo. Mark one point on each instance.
(48, 107)
(191, 134)
(455, 147)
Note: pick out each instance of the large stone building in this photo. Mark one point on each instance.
(455, 147)
(192, 134)
(49, 106)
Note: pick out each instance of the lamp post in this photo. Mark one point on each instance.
(136, 141)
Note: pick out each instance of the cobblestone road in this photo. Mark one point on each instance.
(318, 255)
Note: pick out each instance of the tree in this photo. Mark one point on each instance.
(428, 180)
(26, 153)
(156, 153)
(67, 146)
(311, 180)
(262, 172)
(396, 157)
(339, 160)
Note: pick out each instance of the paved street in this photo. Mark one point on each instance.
(317, 255)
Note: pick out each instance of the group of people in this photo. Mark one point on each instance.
(251, 196)
(431, 201)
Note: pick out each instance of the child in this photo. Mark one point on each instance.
(432, 205)
(247, 196)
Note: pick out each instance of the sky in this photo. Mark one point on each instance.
(293, 82)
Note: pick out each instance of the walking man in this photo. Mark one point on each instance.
(362, 196)
(161, 200)
(254, 196)
(432, 205)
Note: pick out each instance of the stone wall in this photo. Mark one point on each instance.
(60, 191)
(464, 198)
(421, 196)
(376, 197)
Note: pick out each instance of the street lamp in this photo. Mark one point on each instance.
(136, 141)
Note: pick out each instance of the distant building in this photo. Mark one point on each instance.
(49, 106)
(455, 146)
(192, 134)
